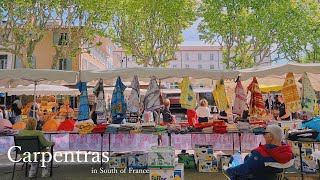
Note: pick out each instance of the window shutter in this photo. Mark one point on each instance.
(69, 64)
(55, 38)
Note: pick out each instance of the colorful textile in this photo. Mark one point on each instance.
(240, 99)
(5, 123)
(118, 106)
(316, 108)
(101, 103)
(19, 125)
(308, 95)
(66, 125)
(134, 98)
(85, 127)
(256, 107)
(152, 100)
(83, 113)
(220, 97)
(187, 96)
(51, 125)
(290, 93)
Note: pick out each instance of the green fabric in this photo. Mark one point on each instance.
(42, 139)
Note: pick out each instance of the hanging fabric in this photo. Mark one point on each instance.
(187, 96)
(240, 98)
(290, 94)
(134, 97)
(220, 97)
(84, 104)
(118, 105)
(256, 107)
(152, 100)
(308, 95)
(98, 91)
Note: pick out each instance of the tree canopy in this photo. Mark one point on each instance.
(151, 30)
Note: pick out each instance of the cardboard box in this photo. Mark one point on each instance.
(309, 166)
(203, 152)
(118, 160)
(161, 174)
(223, 160)
(207, 166)
(137, 160)
(178, 172)
(161, 157)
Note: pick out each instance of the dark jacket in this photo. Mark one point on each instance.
(166, 115)
(254, 164)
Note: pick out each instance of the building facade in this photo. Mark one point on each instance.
(99, 57)
(196, 57)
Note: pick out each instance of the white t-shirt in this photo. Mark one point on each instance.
(203, 111)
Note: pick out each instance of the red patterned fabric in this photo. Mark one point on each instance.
(66, 125)
(192, 117)
(256, 107)
(100, 128)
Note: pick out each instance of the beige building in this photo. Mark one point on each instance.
(100, 57)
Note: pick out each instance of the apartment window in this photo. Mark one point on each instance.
(187, 66)
(60, 39)
(211, 66)
(187, 57)
(199, 57)
(200, 66)
(174, 85)
(64, 64)
(211, 57)
(174, 66)
(3, 61)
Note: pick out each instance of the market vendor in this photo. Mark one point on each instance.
(166, 114)
(267, 160)
(203, 111)
(283, 111)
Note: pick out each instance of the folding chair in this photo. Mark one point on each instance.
(29, 144)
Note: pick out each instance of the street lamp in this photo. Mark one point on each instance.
(126, 58)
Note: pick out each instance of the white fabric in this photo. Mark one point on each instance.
(203, 111)
(280, 166)
(134, 98)
(42, 90)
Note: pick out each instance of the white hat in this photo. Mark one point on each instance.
(275, 130)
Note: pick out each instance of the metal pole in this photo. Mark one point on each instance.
(34, 99)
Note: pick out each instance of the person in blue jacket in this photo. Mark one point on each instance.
(267, 160)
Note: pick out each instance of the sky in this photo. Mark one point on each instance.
(191, 37)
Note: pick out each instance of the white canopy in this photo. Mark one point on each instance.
(15, 77)
(42, 90)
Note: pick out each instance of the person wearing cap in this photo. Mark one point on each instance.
(267, 160)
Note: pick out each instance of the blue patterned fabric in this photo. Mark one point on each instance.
(84, 104)
(313, 124)
(118, 105)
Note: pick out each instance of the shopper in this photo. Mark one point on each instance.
(16, 115)
(283, 111)
(30, 130)
(267, 160)
(36, 116)
(223, 116)
(93, 113)
(166, 114)
(203, 111)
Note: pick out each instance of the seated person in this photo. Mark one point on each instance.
(267, 160)
(30, 130)
(223, 116)
(203, 111)
(166, 114)
(283, 110)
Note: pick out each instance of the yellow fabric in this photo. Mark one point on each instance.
(19, 125)
(273, 87)
(187, 97)
(85, 127)
(316, 107)
(290, 94)
(219, 95)
(51, 125)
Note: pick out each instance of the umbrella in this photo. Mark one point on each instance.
(240, 98)
(220, 97)
(152, 100)
(134, 97)
(187, 96)
(101, 103)
(118, 106)
(256, 108)
(291, 94)
(84, 104)
(308, 95)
